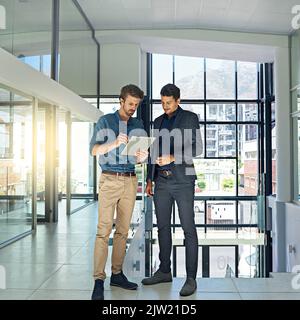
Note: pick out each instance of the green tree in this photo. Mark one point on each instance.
(227, 184)
(201, 181)
(201, 184)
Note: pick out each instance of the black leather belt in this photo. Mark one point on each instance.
(122, 174)
(166, 173)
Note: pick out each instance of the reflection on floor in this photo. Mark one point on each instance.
(57, 263)
(16, 218)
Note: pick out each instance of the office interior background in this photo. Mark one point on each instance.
(62, 64)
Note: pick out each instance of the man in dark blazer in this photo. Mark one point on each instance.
(171, 168)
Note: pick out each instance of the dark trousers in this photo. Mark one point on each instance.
(166, 191)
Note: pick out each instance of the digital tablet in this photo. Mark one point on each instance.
(137, 143)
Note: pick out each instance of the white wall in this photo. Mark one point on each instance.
(283, 125)
(120, 64)
(78, 70)
(200, 43)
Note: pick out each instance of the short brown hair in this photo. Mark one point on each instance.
(170, 90)
(131, 90)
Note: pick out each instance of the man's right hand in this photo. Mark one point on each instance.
(149, 191)
(122, 138)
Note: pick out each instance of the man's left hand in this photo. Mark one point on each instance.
(141, 156)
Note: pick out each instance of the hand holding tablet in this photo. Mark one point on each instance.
(136, 144)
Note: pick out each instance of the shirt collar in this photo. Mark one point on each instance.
(119, 118)
(174, 114)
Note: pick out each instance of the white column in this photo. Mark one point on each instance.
(283, 157)
(283, 127)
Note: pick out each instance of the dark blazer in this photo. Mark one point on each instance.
(185, 149)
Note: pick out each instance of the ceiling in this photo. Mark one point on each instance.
(263, 16)
(260, 16)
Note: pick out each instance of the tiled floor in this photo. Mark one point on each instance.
(57, 263)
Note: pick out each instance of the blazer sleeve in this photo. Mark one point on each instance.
(192, 141)
(151, 158)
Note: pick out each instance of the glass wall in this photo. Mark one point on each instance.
(27, 35)
(82, 183)
(224, 95)
(295, 97)
(78, 72)
(62, 144)
(16, 134)
(41, 159)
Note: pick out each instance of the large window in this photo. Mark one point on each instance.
(224, 95)
(189, 76)
(220, 79)
(247, 80)
(41, 63)
(162, 71)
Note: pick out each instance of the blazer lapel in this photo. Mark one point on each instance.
(178, 117)
(159, 122)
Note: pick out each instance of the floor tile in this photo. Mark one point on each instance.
(28, 276)
(270, 296)
(75, 277)
(264, 285)
(58, 254)
(61, 295)
(215, 285)
(15, 294)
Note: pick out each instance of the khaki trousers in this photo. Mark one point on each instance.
(115, 193)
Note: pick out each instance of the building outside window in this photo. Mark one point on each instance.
(229, 165)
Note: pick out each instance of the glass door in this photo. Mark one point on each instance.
(82, 179)
(16, 133)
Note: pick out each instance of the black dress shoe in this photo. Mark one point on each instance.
(158, 277)
(98, 292)
(189, 287)
(120, 280)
